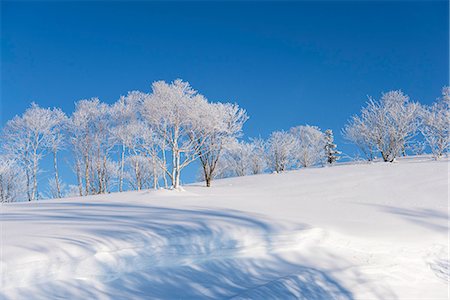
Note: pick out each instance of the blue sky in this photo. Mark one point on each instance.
(286, 63)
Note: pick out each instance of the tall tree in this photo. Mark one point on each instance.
(25, 139)
(124, 123)
(91, 143)
(177, 113)
(55, 142)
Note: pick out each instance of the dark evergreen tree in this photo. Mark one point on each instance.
(330, 148)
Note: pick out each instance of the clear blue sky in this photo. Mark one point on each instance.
(287, 63)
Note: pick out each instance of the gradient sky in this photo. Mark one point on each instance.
(286, 63)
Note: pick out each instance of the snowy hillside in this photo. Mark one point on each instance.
(368, 231)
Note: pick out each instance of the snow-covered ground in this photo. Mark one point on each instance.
(367, 231)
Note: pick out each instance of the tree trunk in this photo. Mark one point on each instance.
(122, 163)
(155, 176)
(138, 176)
(79, 180)
(174, 168)
(177, 180)
(86, 175)
(34, 194)
(28, 183)
(165, 165)
(55, 166)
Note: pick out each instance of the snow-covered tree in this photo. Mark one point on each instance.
(359, 133)
(258, 156)
(310, 143)
(177, 113)
(124, 126)
(224, 125)
(435, 125)
(91, 142)
(55, 142)
(25, 139)
(281, 147)
(55, 189)
(12, 180)
(236, 159)
(331, 153)
(142, 172)
(388, 124)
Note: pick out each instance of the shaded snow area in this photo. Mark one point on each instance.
(367, 231)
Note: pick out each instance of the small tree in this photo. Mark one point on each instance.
(235, 161)
(331, 153)
(310, 142)
(281, 148)
(258, 157)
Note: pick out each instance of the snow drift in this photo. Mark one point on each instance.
(368, 231)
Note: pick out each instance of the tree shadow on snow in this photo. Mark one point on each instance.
(123, 250)
(429, 218)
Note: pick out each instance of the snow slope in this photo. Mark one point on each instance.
(367, 231)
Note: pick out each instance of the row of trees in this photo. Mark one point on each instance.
(301, 146)
(392, 124)
(141, 140)
(145, 140)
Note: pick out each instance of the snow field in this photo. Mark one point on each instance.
(370, 231)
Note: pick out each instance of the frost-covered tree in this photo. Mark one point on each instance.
(223, 126)
(236, 159)
(281, 147)
(142, 172)
(257, 156)
(56, 142)
(359, 133)
(91, 142)
(388, 125)
(177, 113)
(124, 126)
(310, 143)
(331, 153)
(55, 189)
(25, 139)
(435, 125)
(12, 180)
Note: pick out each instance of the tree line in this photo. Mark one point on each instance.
(145, 140)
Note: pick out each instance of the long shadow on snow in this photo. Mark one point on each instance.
(429, 218)
(170, 253)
